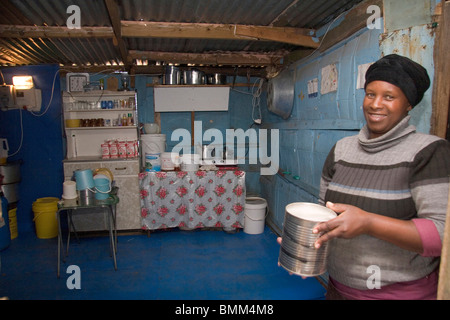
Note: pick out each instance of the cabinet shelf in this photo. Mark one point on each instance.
(104, 110)
(97, 158)
(103, 128)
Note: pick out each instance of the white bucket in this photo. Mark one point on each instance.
(152, 143)
(255, 215)
(152, 162)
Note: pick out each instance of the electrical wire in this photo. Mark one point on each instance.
(256, 100)
(51, 98)
(21, 135)
(325, 34)
(3, 78)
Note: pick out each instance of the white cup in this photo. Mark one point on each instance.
(69, 190)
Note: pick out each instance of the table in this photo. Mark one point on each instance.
(191, 200)
(71, 207)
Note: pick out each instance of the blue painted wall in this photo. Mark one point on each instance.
(42, 147)
(238, 116)
(317, 123)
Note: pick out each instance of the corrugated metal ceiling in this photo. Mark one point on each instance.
(98, 51)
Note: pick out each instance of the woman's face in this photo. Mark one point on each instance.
(384, 106)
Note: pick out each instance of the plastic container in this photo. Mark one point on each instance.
(102, 188)
(169, 160)
(151, 128)
(190, 162)
(152, 143)
(84, 179)
(73, 123)
(255, 215)
(45, 217)
(69, 190)
(152, 162)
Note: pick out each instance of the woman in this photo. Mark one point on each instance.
(389, 186)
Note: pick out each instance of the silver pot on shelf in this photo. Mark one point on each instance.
(217, 78)
(193, 76)
(172, 75)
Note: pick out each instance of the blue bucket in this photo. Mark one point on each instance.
(84, 179)
(102, 189)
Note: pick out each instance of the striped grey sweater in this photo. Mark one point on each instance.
(402, 174)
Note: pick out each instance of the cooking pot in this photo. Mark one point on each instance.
(11, 192)
(193, 77)
(172, 75)
(217, 78)
(10, 172)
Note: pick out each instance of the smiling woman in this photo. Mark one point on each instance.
(384, 106)
(389, 186)
(394, 85)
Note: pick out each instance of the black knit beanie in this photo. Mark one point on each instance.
(402, 72)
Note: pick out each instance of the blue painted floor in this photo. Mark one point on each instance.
(172, 265)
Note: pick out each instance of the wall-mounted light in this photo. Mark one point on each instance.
(23, 82)
(25, 95)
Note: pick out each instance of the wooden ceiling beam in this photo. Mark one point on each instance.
(147, 29)
(91, 69)
(114, 16)
(15, 31)
(213, 58)
(142, 29)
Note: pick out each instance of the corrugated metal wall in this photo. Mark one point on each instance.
(318, 122)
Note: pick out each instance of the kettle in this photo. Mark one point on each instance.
(4, 148)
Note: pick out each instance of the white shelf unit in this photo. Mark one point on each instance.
(84, 152)
(86, 141)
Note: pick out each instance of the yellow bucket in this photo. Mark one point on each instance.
(45, 217)
(13, 223)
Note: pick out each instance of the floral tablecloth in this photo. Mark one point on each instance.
(192, 199)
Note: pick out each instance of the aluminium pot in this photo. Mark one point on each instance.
(193, 77)
(172, 75)
(11, 192)
(217, 78)
(10, 172)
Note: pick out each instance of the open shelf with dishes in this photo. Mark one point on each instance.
(102, 132)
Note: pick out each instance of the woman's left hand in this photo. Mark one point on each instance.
(351, 222)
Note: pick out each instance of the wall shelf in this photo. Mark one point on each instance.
(182, 98)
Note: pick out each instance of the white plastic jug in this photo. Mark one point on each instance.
(4, 148)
